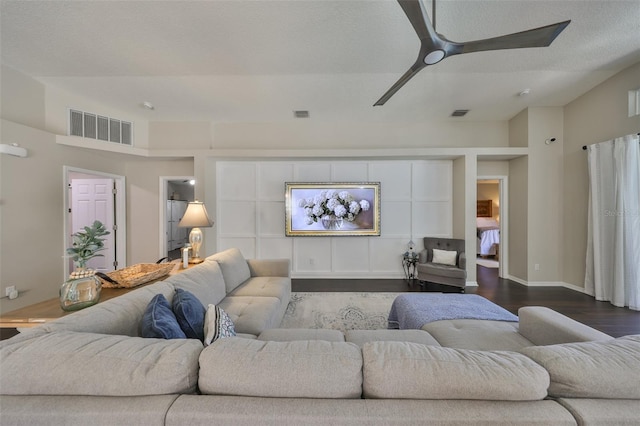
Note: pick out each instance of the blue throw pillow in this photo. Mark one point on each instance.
(158, 320)
(190, 313)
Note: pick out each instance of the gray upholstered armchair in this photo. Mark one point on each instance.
(449, 269)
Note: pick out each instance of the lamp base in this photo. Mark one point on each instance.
(195, 260)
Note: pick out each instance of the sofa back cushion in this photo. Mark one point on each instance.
(603, 369)
(404, 370)
(121, 315)
(70, 363)
(235, 269)
(205, 281)
(297, 369)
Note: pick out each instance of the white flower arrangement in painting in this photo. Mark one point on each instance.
(332, 203)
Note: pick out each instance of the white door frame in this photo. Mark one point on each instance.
(120, 213)
(503, 188)
(164, 196)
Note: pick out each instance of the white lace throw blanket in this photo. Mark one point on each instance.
(412, 311)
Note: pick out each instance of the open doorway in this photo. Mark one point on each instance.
(91, 196)
(177, 192)
(491, 223)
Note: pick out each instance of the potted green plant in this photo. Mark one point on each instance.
(83, 287)
(87, 243)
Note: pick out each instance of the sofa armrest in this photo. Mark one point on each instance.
(462, 261)
(544, 326)
(269, 267)
(422, 256)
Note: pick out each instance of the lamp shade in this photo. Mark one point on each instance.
(196, 216)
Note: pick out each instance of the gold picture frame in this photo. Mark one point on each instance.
(314, 209)
(484, 208)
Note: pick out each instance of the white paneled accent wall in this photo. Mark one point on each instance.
(416, 201)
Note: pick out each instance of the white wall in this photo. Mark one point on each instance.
(598, 115)
(312, 134)
(416, 201)
(546, 203)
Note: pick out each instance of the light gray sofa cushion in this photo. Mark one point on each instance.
(603, 369)
(71, 363)
(205, 410)
(77, 410)
(234, 267)
(603, 412)
(290, 334)
(121, 315)
(404, 370)
(360, 337)
(253, 315)
(298, 369)
(279, 287)
(481, 335)
(269, 267)
(544, 326)
(205, 281)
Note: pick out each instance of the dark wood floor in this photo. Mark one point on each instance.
(506, 293)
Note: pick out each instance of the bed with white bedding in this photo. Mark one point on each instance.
(488, 235)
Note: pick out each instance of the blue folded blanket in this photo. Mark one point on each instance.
(412, 311)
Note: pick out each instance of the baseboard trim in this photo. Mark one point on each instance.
(576, 288)
(471, 284)
(549, 284)
(545, 284)
(518, 280)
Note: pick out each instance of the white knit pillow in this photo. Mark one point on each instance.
(217, 325)
(445, 257)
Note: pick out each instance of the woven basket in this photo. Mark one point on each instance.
(136, 275)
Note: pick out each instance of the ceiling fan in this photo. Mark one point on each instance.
(435, 47)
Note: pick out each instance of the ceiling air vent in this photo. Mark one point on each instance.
(459, 113)
(93, 126)
(301, 114)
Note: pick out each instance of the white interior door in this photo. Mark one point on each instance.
(91, 200)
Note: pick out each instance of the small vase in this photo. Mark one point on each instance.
(81, 290)
(331, 223)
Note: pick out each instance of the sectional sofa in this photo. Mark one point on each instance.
(93, 366)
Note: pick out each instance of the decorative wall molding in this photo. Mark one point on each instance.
(416, 201)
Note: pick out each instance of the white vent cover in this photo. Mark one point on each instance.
(89, 125)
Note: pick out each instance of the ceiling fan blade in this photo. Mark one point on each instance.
(538, 37)
(401, 82)
(417, 14)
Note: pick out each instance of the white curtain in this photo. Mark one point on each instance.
(613, 242)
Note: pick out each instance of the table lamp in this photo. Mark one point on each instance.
(195, 217)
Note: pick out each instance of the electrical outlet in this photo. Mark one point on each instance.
(312, 261)
(11, 292)
(536, 266)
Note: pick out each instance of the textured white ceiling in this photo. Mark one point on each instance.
(259, 60)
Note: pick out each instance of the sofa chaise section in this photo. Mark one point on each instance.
(258, 291)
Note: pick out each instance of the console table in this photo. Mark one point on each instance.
(40, 313)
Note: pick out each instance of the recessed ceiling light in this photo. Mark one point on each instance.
(148, 105)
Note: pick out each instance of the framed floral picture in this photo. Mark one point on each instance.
(332, 209)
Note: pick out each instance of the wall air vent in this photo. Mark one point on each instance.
(301, 114)
(459, 113)
(94, 126)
